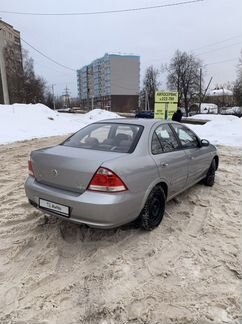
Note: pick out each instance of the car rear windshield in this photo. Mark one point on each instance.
(110, 137)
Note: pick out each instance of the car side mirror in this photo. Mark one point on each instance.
(204, 142)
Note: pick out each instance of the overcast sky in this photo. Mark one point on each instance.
(212, 29)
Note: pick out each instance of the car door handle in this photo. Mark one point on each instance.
(163, 165)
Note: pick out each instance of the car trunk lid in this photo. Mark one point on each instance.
(68, 168)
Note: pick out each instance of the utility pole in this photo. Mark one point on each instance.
(145, 100)
(66, 96)
(3, 74)
(66, 91)
(200, 91)
(203, 95)
(205, 92)
(53, 94)
(92, 102)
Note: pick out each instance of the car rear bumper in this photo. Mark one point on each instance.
(95, 209)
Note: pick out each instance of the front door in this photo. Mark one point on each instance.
(199, 157)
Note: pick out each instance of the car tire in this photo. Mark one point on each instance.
(154, 209)
(210, 177)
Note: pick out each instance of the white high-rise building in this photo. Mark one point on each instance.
(110, 82)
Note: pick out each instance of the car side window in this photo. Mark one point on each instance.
(186, 136)
(163, 140)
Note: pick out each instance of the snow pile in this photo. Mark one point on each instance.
(214, 117)
(232, 110)
(20, 122)
(220, 130)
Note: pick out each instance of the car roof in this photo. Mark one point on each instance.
(134, 121)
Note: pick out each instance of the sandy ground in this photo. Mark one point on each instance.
(186, 271)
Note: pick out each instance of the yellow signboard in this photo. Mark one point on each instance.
(159, 110)
(165, 104)
(172, 107)
(166, 97)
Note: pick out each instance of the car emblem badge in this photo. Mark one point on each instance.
(54, 172)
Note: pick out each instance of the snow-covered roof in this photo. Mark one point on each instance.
(206, 104)
(220, 92)
(209, 105)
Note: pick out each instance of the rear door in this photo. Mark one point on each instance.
(199, 157)
(171, 161)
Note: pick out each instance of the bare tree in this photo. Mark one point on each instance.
(24, 85)
(34, 86)
(142, 100)
(238, 83)
(150, 85)
(184, 76)
(49, 99)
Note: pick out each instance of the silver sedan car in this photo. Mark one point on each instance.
(116, 171)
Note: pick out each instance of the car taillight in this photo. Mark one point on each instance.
(30, 168)
(107, 181)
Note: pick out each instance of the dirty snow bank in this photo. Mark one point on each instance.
(220, 130)
(20, 122)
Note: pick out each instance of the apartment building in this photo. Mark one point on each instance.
(10, 63)
(110, 82)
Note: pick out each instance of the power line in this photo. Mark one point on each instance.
(46, 56)
(218, 42)
(89, 13)
(218, 62)
(218, 49)
(73, 70)
(208, 45)
(50, 66)
(215, 43)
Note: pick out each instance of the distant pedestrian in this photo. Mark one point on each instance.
(177, 116)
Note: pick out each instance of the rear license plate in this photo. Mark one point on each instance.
(57, 208)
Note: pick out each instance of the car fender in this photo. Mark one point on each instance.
(149, 189)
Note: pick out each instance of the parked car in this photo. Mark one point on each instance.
(64, 110)
(145, 114)
(115, 171)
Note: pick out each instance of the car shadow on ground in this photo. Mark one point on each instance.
(72, 235)
(86, 233)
